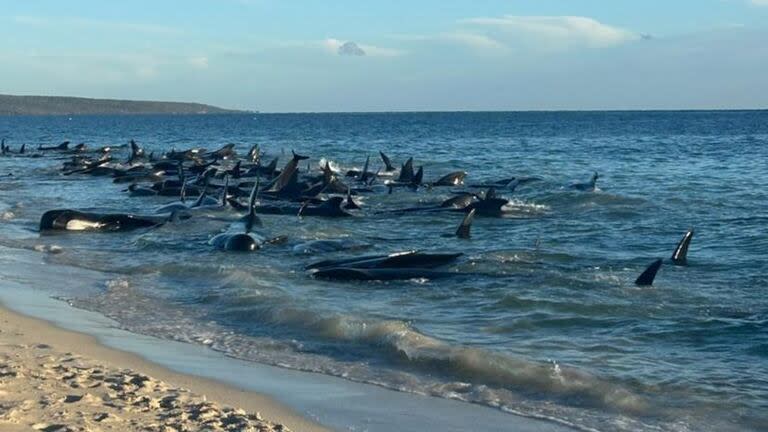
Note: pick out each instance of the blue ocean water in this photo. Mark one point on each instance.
(546, 323)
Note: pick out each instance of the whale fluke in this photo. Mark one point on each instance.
(647, 277)
(287, 175)
(680, 256)
(466, 225)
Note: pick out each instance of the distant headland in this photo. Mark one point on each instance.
(59, 105)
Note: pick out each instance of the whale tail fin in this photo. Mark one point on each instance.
(647, 277)
(299, 157)
(387, 163)
(466, 224)
(680, 255)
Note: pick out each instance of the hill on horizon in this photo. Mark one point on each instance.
(65, 105)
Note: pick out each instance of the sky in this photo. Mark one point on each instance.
(395, 55)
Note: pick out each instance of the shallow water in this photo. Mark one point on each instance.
(548, 322)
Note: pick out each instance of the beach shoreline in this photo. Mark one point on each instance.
(50, 376)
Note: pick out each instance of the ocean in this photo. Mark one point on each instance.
(542, 318)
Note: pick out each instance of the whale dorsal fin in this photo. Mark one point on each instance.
(364, 175)
(466, 224)
(350, 204)
(647, 277)
(387, 163)
(418, 178)
(406, 172)
(225, 192)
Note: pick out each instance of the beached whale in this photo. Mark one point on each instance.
(396, 266)
(407, 259)
(386, 274)
(75, 220)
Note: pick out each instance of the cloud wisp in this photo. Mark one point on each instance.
(553, 31)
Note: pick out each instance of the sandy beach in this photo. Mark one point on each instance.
(56, 380)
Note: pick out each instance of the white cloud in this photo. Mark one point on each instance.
(759, 2)
(476, 42)
(555, 31)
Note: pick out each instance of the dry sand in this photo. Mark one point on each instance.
(55, 380)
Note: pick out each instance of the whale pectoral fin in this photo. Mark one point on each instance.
(466, 224)
(647, 277)
(680, 255)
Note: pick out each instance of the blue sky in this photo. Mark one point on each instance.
(272, 55)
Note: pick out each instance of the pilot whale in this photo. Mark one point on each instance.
(75, 220)
(589, 186)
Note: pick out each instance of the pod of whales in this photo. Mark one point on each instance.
(295, 190)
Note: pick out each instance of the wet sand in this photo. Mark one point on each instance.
(56, 380)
